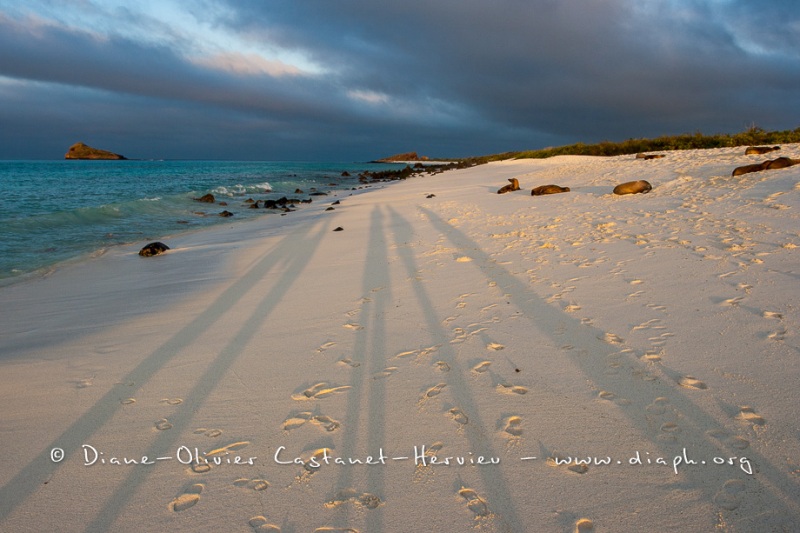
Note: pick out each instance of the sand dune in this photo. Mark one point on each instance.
(573, 362)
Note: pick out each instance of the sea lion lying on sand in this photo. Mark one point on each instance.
(771, 164)
(154, 248)
(633, 187)
(508, 188)
(548, 189)
(760, 150)
(649, 156)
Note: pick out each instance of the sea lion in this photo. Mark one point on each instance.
(770, 164)
(548, 189)
(154, 248)
(633, 187)
(649, 156)
(760, 150)
(508, 188)
(781, 162)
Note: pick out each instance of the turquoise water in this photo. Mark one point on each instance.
(52, 211)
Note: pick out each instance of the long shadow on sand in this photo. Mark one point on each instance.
(369, 351)
(35, 473)
(501, 501)
(770, 479)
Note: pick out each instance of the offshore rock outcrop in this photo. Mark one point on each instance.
(84, 151)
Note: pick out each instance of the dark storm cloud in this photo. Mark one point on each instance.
(447, 77)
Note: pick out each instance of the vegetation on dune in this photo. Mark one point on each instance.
(750, 137)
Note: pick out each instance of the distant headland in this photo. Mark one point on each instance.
(84, 151)
(402, 158)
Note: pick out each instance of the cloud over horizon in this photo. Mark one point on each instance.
(354, 80)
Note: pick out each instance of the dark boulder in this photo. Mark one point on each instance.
(206, 198)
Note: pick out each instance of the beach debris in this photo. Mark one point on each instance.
(431, 196)
(206, 199)
(508, 188)
(154, 248)
(330, 208)
(770, 164)
(633, 187)
(760, 150)
(548, 189)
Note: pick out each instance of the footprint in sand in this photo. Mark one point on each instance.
(163, 424)
(584, 525)
(606, 395)
(771, 314)
(733, 302)
(252, 484)
(669, 432)
(507, 388)
(171, 401)
(325, 346)
(512, 426)
(200, 468)
(733, 441)
(363, 499)
(481, 367)
(691, 382)
(319, 390)
(353, 326)
(612, 338)
(262, 525)
(127, 401)
(327, 529)
(349, 362)
(652, 356)
(778, 335)
(434, 391)
(728, 496)
(442, 366)
(225, 450)
(748, 414)
(658, 407)
(323, 421)
(475, 503)
(188, 499)
(208, 432)
(84, 383)
(494, 346)
(388, 371)
(459, 416)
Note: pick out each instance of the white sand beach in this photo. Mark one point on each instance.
(655, 332)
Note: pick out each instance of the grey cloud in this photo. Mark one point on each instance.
(461, 77)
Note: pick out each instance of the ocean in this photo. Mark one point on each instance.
(54, 211)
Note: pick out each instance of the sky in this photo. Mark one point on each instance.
(354, 80)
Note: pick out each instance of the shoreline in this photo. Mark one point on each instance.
(444, 317)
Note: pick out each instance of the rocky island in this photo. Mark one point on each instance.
(84, 151)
